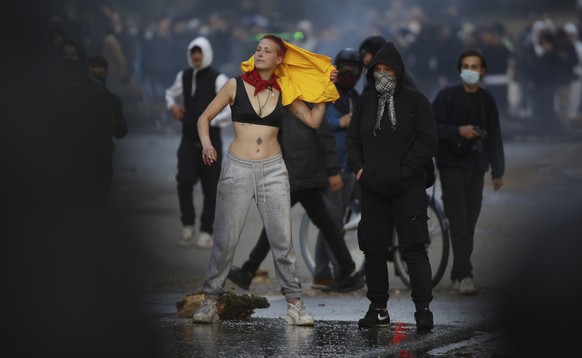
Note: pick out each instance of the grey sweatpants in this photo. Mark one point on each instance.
(267, 183)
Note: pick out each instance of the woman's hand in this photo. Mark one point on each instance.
(209, 155)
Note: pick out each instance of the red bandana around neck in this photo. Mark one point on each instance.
(254, 78)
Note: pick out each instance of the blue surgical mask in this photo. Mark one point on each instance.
(470, 77)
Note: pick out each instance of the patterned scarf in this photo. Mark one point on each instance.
(385, 85)
(254, 78)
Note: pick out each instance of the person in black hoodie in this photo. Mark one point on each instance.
(390, 141)
(98, 68)
(469, 143)
(86, 109)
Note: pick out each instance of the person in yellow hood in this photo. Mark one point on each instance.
(278, 77)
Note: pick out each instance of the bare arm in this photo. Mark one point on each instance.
(223, 98)
(312, 118)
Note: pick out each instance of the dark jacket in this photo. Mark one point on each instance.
(454, 107)
(119, 123)
(393, 161)
(309, 154)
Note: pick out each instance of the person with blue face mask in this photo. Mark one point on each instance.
(470, 144)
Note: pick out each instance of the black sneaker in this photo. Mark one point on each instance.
(375, 318)
(346, 284)
(423, 319)
(240, 277)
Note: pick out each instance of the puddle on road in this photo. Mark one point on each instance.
(260, 337)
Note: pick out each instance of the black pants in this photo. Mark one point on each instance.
(312, 202)
(190, 170)
(408, 213)
(462, 196)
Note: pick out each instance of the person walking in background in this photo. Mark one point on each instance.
(565, 75)
(98, 68)
(198, 85)
(278, 74)
(338, 115)
(87, 110)
(540, 64)
(390, 142)
(470, 143)
(500, 65)
(575, 95)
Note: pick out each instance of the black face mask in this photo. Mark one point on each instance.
(100, 79)
(72, 67)
(346, 81)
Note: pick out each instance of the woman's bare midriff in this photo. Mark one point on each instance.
(254, 142)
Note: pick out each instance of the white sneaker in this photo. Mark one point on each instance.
(187, 238)
(467, 287)
(297, 315)
(354, 221)
(206, 313)
(204, 240)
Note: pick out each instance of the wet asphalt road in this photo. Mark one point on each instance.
(542, 175)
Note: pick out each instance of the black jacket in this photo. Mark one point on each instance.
(453, 108)
(310, 154)
(393, 161)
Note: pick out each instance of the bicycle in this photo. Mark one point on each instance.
(437, 249)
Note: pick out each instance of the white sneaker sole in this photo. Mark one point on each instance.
(290, 322)
(186, 243)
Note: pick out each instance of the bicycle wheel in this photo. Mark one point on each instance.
(308, 237)
(437, 249)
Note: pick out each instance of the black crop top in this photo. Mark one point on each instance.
(242, 109)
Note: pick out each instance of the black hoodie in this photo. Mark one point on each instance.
(373, 44)
(393, 161)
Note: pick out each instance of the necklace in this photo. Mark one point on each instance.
(264, 104)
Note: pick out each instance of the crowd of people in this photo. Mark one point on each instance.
(145, 54)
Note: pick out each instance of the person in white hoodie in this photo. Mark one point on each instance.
(575, 94)
(197, 86)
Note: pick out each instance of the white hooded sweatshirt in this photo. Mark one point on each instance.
(175, 92)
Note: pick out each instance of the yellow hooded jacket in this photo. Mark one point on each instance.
(302, 74)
